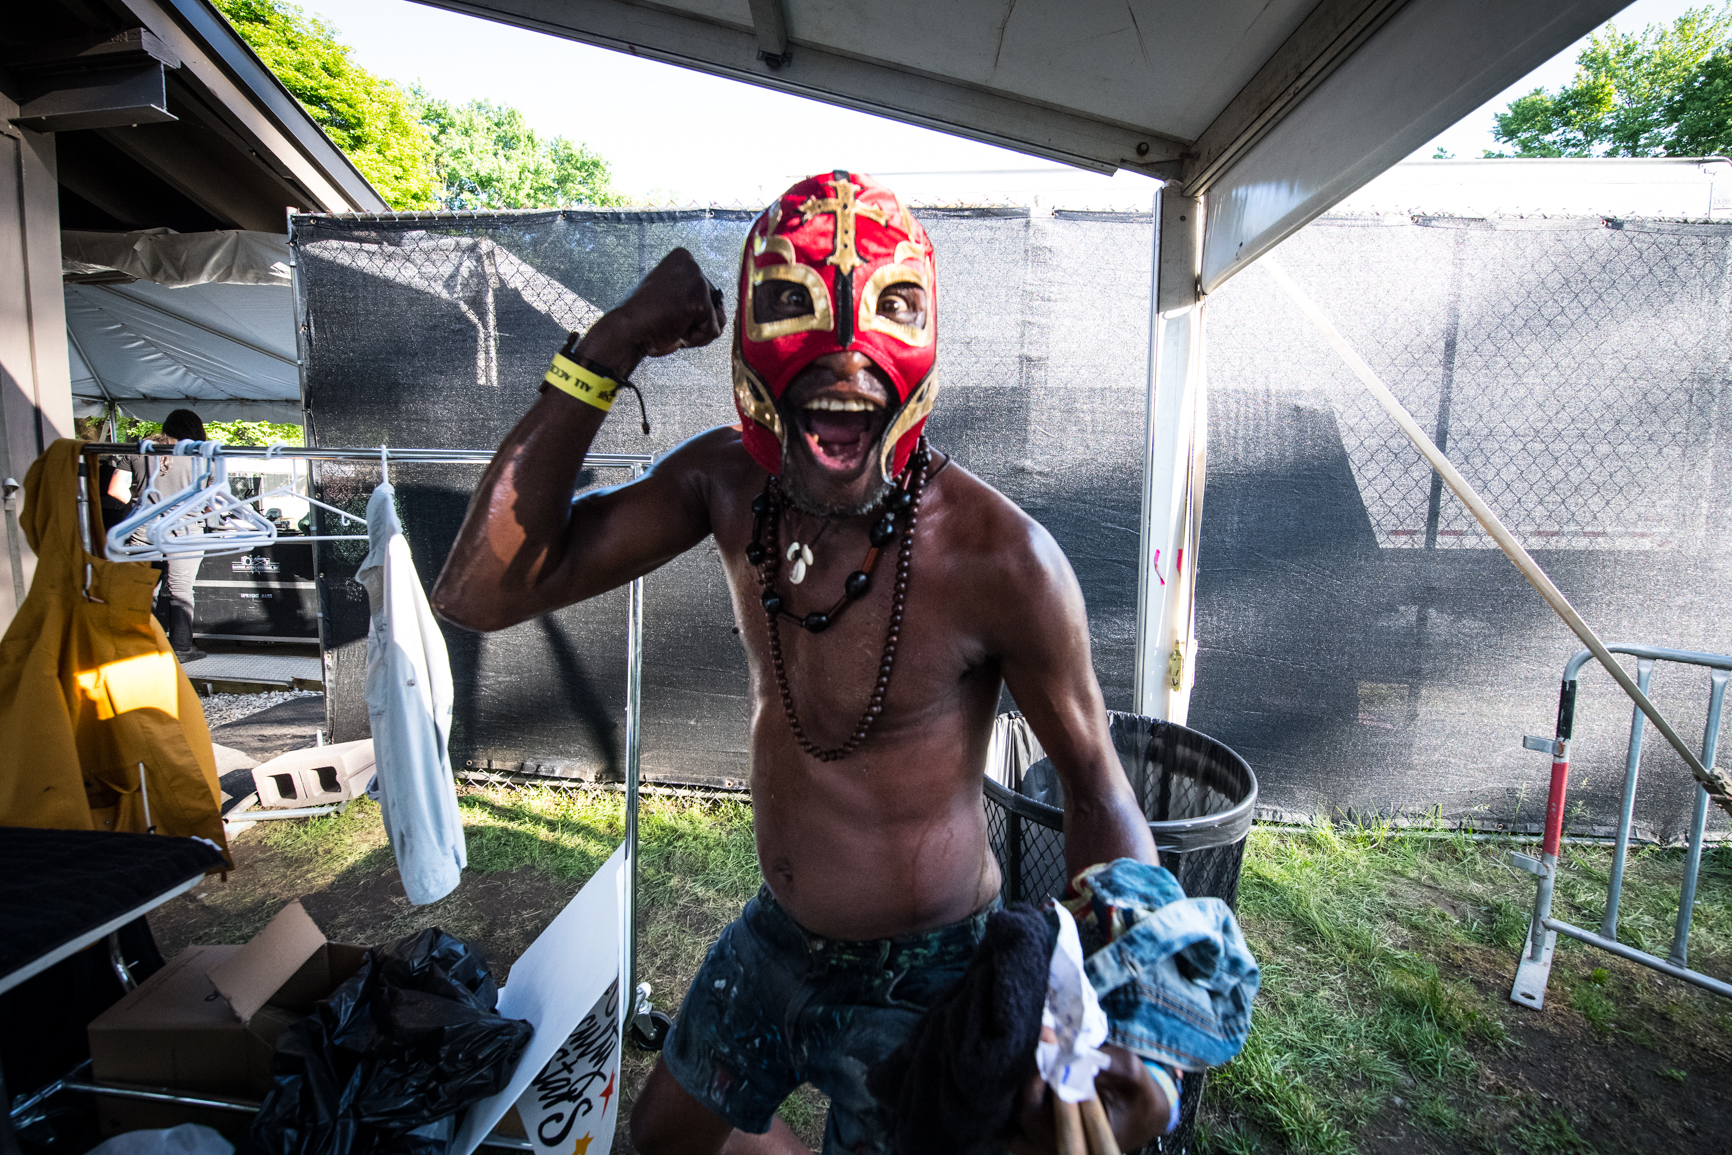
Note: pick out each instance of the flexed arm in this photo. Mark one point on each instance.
(1044, 656)
(1044, 653)
(525, 546)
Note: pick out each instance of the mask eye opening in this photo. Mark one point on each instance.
(778, 300)
(819, 317)
(882, 281)
(916, 300)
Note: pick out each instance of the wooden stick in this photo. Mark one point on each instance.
(1715, 781)
(1098, 1128)
(1067, 1122)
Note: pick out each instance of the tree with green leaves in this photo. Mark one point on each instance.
(485, 156)
(1664, 92)
(418, 151)
(369, 118)
(228, 432)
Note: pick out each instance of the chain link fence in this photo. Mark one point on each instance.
(1365, 644)
(434, 331)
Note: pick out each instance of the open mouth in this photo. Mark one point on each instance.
(840, 432)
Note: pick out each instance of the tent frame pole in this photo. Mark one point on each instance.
(1175, 439)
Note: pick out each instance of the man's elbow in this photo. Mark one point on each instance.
(453, 604)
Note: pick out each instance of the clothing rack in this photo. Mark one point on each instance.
(636, 463)
(381, 453)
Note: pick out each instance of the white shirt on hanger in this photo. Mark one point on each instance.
(409, 698)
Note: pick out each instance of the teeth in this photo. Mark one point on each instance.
(837, 405)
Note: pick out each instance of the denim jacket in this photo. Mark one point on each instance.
(1173, 973)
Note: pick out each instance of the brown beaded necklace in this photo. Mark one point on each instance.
(905, 498)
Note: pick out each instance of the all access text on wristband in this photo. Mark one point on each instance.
(568, 376)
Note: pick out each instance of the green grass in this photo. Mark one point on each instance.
(1386, 960)
(1369, 945)
(1552, 1134)
(697, 867)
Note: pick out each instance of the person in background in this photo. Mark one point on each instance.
(116, 485)
(173, 474)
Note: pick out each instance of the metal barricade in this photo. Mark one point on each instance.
(1536, 963)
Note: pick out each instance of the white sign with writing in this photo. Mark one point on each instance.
(572, 1106)
(568, 985)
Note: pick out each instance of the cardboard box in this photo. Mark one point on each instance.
(209, 1020)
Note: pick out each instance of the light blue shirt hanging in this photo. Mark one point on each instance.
(409, 704)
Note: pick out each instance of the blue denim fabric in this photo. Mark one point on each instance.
(1177, 980)
(775, 1005)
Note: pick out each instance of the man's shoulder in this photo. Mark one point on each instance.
(988, 527)
(720, 442)
(716, 453)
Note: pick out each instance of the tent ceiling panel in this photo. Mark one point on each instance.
(1161, 66)
(1100, 86)
(1429, 66)
(227, 351)
(1274, 110)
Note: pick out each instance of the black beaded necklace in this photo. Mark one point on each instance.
(767, 508)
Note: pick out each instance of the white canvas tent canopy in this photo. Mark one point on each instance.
(159, 320)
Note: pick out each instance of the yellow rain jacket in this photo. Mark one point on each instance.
(90, 691)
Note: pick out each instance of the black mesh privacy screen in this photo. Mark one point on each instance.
(1363, 644)
(437, 333)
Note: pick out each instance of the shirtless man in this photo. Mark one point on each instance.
(869, 722)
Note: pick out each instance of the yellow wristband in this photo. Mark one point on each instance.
(568, 376)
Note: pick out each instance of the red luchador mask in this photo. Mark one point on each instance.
(845, 238)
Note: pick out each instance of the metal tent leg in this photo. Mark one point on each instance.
(1175, 441)
(646, 1026)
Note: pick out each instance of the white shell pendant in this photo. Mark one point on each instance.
(801, 556)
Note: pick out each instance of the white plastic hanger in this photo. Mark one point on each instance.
(289, 490)
(230, 525)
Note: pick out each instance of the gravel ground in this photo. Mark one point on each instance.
(220, 709)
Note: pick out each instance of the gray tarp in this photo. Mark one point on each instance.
(426, 334)
(207, 324)
(1364, 644)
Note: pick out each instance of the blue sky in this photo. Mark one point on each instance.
(681, 136)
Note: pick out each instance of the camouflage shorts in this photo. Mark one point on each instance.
(775, 1006)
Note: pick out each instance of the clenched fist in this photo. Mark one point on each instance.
(674, 307)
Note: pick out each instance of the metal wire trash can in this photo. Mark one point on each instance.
(1197, 793)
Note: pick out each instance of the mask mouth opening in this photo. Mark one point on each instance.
(840, 432)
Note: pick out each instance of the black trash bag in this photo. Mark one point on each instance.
(383, 1066)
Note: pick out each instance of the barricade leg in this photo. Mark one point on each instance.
(1535, 968)
(1698, 823)
(1627, 811)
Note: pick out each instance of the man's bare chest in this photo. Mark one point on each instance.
(900, 650)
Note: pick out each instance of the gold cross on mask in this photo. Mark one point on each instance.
(844, 207)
